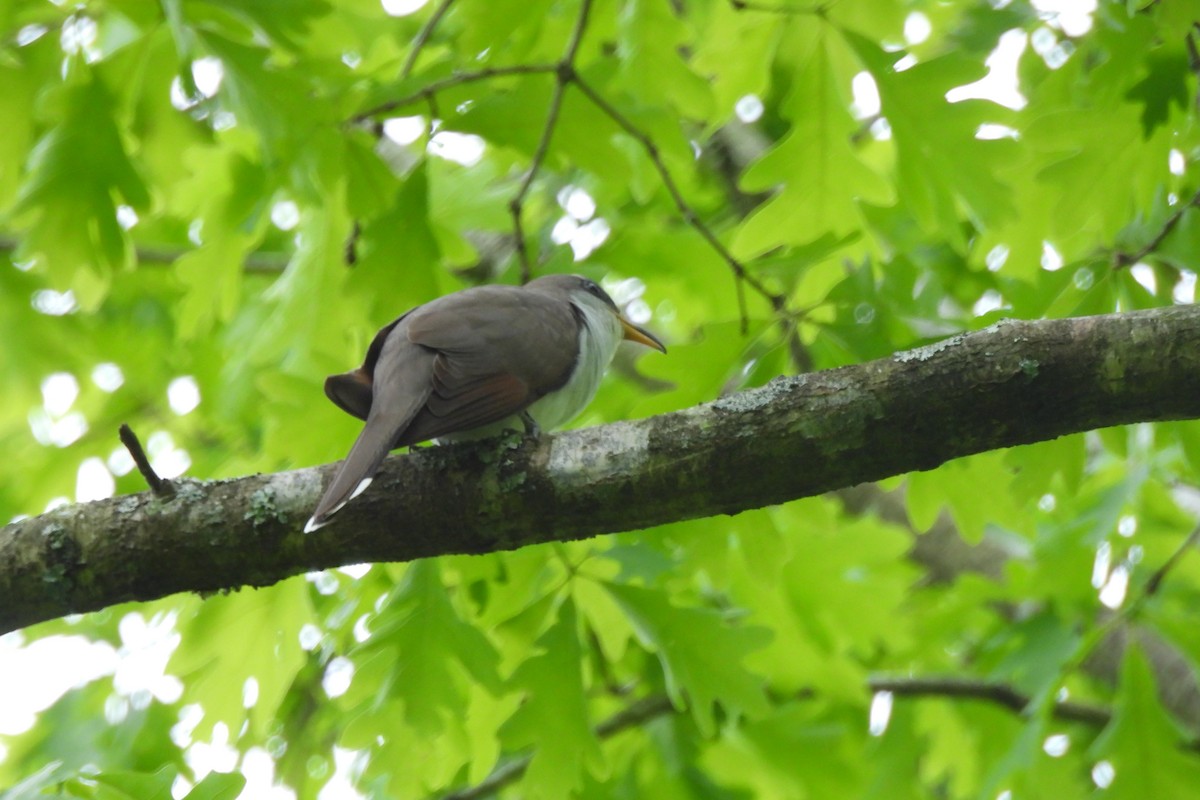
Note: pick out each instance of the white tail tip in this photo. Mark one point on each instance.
(362, 487)
(314, 523)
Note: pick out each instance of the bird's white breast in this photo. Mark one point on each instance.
(599, 337)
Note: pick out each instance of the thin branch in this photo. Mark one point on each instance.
(685, 210)
(418, 44)
(1116, 623)
(654, 706)
(1160, 574)
(458, 79)
(777, 8)
(160, 487)
(998, 693)
(1123, 259)
(1193, 51)
(564, 74)
(422, 37)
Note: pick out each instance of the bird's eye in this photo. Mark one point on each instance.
(594, 288)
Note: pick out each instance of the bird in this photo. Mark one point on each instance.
(473, 364)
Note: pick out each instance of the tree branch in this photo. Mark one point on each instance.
(422, 37)
(740, 273)
(1013, 383)
(658, 705)
(562, 76)
(1123, 259)
(457, 79)
(999, 693)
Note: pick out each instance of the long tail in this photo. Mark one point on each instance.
(358, 470)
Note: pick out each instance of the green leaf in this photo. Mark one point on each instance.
(281, 20)
(496, 25)
(1144, 745)
(798, 750)
(684, 640)
(17, 90)
(76, 173)
(140, 785)
(650, 39)
(218, 786)
(823, 178)
(266, 623)
(736, 51)
(1031, 655)
(34, 786)
(273, 101)
(955, 487)
(1166, 84)
(553, 717)
(940, 163)
(418, 642)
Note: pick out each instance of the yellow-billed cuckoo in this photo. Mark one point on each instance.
(473, 363)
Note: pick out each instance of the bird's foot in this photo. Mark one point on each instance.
(531, 426)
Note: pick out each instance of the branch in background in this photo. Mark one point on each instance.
(458, 79)
(1123, 259)
(774, 8)
(940, 551)
(987, 691)
(350, 249)
(1155, 583)
(944, 555)
(418, 43)
(563, 75)
(658, 705)
(741, 275)
(730, 149)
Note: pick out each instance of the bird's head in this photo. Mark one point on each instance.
(585, 290)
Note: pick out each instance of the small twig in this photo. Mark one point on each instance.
(998, 693)
(564, 73)
(418, 43)
(1160, 574)
(1193, 51)
(772, 8)
(685, 210)
(160, 487)
(434, 115)
(350, 250)
(458, 79)
(1122, 259)
(800, 356)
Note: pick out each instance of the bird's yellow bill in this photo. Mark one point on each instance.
(640, 335)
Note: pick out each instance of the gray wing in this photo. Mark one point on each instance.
(498, 350)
